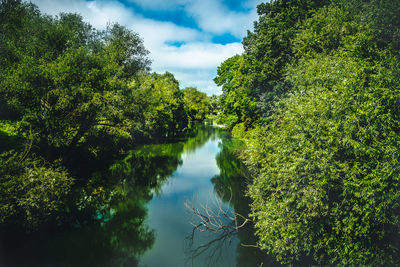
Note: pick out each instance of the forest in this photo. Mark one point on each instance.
(315, 96)
(69, 91)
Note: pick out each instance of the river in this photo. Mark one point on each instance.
(139, 217)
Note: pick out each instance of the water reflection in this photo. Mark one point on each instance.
(104, 222)
(131, 211)
(114, 241)
(230, 184)
(167, 213)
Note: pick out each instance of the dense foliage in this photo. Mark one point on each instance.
(73, 98)
(236, 103)
(30, 190)
(197, 104)
(322, 79)
(157, 106)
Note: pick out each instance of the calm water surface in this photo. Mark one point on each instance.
(139, 218)
(169, 216)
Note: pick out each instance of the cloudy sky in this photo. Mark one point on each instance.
(189, 38)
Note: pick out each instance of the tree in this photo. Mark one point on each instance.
(236, 103)
(325, 163)
(67, 81)
(213, 104)
(157, 106)
(254, 82)
(32, 191)
(327, 178)
(196, 104)
(268, 49)
(126, 48)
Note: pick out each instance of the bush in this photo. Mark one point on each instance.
(30, 190)
(328, 167)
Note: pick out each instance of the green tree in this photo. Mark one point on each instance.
(67, 81)
(196, 103)
(327, 181)
(269, 48)
(157, 106)
(71, 89)
(236, 104)
(62, 101)
(325, 162)
(213, 104)
(126, 48)
(32, 191)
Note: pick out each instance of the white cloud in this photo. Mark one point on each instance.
(195, 55)
(216, 18)
(211, 15)
(194, 63)
(160, 4)
(201, 79)
(97, 13)
(52, 7)
(157, 33)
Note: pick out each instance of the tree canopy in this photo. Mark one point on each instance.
(197, 104)
(71, 93)
(323, 139)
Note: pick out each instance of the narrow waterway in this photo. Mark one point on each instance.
(169, 217)
(140, 218)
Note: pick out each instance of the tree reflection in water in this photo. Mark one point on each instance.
(115, 239)
(226, 219)
(104, 223)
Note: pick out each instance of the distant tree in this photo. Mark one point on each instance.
(213, 104)
(157, 107)
(196, 103)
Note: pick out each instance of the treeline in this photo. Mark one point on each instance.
(70, 93)
(316, 96)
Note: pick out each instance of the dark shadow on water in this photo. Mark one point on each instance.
(103, 221)
(231, 186)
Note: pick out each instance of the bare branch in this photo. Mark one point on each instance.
(219, 219)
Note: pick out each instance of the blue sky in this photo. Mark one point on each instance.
(189, 38)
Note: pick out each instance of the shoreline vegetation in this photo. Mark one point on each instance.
(73, 98)
(315, 97)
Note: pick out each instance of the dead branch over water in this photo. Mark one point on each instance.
(219, 220)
